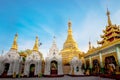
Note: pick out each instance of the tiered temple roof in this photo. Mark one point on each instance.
(110, 37)
(111, 33)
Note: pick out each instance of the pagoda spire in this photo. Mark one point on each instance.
(69, 24)
(54, 40)
(36, 45)
(53, 50)
(69, 27)
(90, 45)
(109, 20)
(14, 45)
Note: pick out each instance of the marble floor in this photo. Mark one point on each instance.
(60, 78)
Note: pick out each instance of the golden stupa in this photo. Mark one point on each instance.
(14, 45)
(36, 47)
(70, 47)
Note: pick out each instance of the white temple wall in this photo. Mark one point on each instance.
(75, 62)
(47, 67)
(39, 67)
(26, 69)
(10, 71)
(1, 68)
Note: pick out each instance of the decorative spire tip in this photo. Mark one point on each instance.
(109, 20)
(69, 24)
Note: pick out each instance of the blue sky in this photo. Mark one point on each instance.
(48, 18)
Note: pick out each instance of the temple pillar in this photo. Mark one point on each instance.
(85, 64)
(90, 62)
(101, 62)
(15, 66)
(36, 68)
(26, 69)
(60, 71)
(118, 54)
(39, 68)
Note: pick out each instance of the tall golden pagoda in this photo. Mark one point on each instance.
(111, 33)
(70, 47)
(14, 45)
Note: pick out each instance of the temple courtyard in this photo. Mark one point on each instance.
(97, 62)
(60, 78)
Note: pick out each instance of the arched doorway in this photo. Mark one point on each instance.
(32, 70)
(110, 64)
(54, 67)
(77, 69)
(96, 67)
(112, 60)
(87, 64)
(87, 70)
(6, 68)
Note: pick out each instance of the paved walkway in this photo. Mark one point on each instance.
(60, 78)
